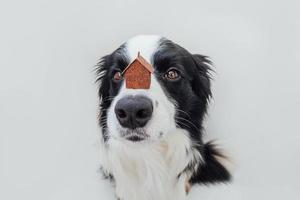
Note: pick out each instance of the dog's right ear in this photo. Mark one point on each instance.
(102, 68)
(103, 81)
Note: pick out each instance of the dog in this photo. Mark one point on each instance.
(152, 146)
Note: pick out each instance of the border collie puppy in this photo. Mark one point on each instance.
(152, 147)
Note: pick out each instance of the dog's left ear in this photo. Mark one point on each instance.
(201, 81)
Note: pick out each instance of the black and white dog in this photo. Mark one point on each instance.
(152, 138)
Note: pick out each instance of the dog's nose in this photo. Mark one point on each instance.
(134, 111)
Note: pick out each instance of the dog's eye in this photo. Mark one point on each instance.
(172, 74)
(117, 76)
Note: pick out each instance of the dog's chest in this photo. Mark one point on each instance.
(150, 172)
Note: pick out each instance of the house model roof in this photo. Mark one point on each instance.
(143, 62)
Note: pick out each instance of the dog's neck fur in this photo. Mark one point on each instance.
(150, 171)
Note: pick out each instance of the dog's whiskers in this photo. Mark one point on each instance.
(180, 118)
(181, 123)
(177, 109)
(108, 97)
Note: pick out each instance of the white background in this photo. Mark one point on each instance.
(48, 103)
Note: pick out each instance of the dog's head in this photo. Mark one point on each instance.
(177, 97)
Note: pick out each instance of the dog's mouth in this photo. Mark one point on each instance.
(135, 138)
(135, 135)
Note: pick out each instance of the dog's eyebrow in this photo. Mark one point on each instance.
(121, 61)
(162, 61)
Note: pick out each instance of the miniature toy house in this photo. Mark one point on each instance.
(138, 74)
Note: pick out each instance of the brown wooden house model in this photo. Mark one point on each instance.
(138, 74)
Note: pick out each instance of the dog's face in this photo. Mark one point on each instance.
(177, 97)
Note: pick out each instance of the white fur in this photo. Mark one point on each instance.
(148, 170)
(145, 44)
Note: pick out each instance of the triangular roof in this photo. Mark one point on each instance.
(143, 62)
